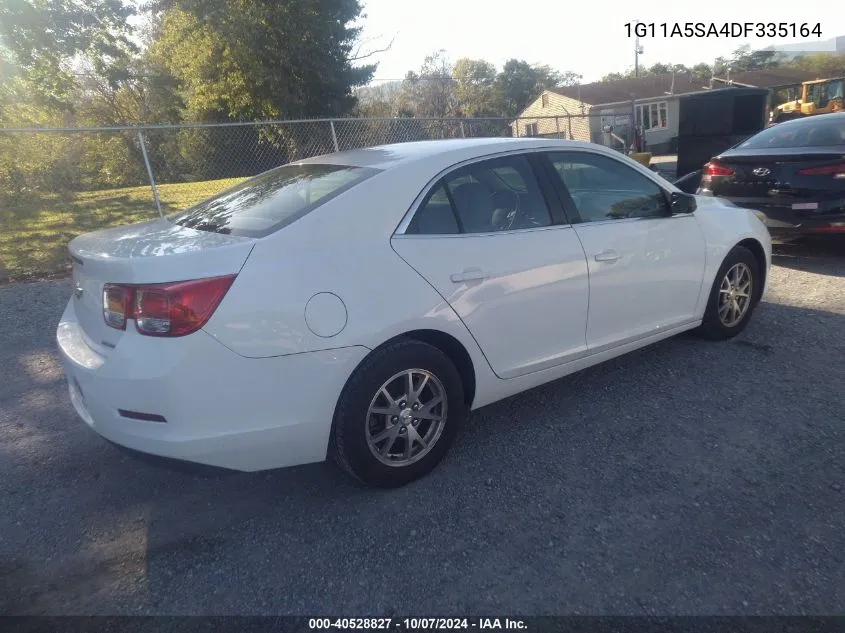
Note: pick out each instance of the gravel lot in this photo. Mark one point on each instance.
(687, 478)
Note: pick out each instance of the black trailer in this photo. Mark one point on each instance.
(711, 121)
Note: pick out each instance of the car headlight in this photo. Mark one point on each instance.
(760, 215)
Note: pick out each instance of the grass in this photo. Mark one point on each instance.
(34, 233)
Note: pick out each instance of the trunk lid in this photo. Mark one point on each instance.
(148, 253)
(773, 174)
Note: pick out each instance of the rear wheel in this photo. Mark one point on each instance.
(398, 415)
(735, 292)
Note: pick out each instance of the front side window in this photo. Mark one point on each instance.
(261, 205)
(603, 188)
(494, 195)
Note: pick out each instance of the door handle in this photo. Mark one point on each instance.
(607, 256)
(469, 274)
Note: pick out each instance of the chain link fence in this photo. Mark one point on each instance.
(58, 183)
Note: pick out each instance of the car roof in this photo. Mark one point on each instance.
(810, 120)
(449, 151)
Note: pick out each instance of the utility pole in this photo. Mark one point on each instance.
(636, 58)
(579, 78)
(638, 50)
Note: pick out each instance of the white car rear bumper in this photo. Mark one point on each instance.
(218, 408)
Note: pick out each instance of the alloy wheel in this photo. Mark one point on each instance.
(406, 417)
(735, 294)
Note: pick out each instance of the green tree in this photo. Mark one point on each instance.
(378, 101)
(659, 69)
(744, 59)
(50, 41)
(68, 63)
(431, 91)
(823, 64)
(702, 71)
(519, 83)
(248, 59)
(475, 81)
(253, 59)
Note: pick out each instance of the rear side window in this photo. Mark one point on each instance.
(259, 206)
(500, 194)
(436, 216)
(806, 133)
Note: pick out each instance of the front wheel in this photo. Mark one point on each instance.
(398, 414)
(735, 292)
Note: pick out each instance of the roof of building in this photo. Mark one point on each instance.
(773, 77)
(607, 92)
(603, 92)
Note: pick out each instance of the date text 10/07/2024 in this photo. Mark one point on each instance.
(726, 29)
(415, 624)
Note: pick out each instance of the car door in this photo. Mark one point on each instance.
(646, 265)
(490, 237)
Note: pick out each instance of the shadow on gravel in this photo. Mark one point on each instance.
(820, 256)
(689, 477)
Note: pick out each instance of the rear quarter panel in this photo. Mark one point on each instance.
(342, 248)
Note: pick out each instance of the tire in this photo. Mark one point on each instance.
(355, 428)
(716, 326)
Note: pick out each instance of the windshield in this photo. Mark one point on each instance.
(806, 133)
(261, 205)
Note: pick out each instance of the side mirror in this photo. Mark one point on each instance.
(682, 203)
(690, 182)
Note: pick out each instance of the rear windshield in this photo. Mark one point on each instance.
(258, 206)
(806, 133)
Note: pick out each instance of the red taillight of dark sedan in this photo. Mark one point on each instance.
(714, 168)
(836, 171)
(173, 309)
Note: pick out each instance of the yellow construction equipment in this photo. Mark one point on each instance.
(644, 158)
(819, 96)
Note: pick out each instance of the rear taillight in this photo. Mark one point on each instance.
(153, 310)
(171, 309)
(713, 168)
(117, 301)
(836, 171)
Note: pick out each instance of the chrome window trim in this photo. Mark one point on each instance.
(626, 220)
(550, 149)
(429, 186)
(439, 236)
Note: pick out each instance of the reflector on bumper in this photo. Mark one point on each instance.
(77, 398)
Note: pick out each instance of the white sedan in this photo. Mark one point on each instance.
(360, 304)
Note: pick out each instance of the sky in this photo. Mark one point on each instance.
(589, 39)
